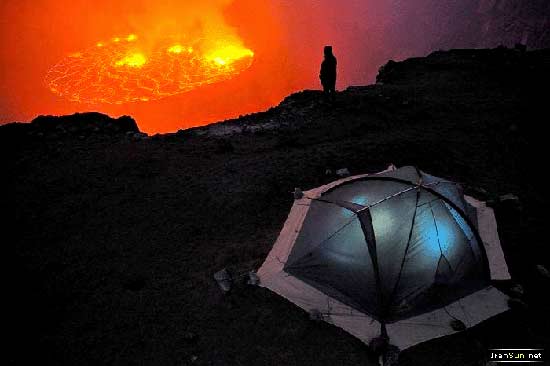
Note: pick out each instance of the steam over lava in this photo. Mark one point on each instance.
(125, 69)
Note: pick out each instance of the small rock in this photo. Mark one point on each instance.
(194, 358)
(543, 271)
(517, 291)
(253, 279)
(298, 193)
(457, 325)
(480, 190)
(224, 279)
(344, 172)
(509, 197)
(328, 172)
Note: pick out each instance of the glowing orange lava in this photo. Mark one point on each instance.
(127, 70)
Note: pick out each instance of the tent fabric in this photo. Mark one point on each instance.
(391, 248)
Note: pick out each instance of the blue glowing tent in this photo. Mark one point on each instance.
(401, 253)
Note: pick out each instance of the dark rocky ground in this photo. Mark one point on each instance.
(112, 237)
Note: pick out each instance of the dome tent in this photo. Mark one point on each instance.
(399, 253)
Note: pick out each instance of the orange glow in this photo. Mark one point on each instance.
(119, 72)
(227, 54)
(175, 49)
(191, 74)
(170, 64)
(178, 48)
(132, 60)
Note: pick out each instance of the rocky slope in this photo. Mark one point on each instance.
(114, 237)
(509, 22)
(79, 125)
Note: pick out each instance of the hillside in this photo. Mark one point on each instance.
(115, 235)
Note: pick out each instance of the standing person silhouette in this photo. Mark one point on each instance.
(328, 72)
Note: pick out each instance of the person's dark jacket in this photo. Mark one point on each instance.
(328, 71)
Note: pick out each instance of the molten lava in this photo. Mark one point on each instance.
(126, 69)
(132, 60)
(173, 64)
